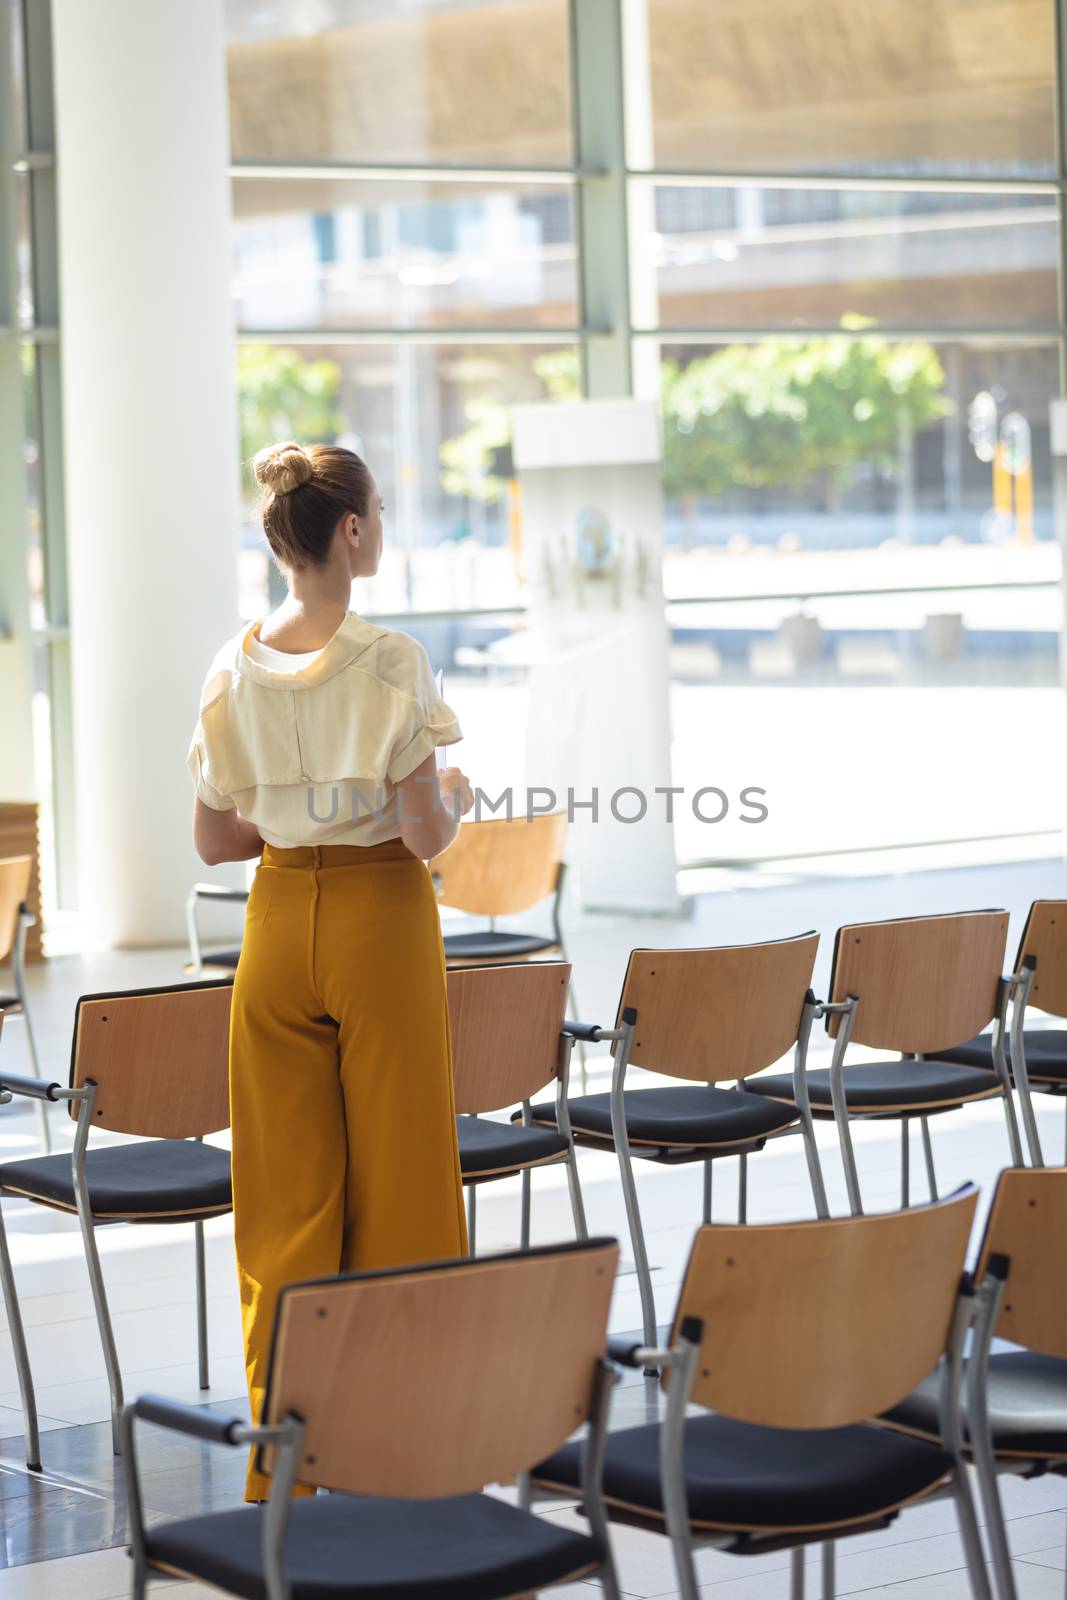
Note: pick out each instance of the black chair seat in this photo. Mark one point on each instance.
(221, 958)
(155, 1177)
(687, 1115)
(741, 1476)
(1046, 1053)
(486, 1147)
(493, 946)
(1027, 1404)
(471, 1548)
(887, 1085)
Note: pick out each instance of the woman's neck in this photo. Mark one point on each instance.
(309, 616)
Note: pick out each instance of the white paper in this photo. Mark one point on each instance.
(441, 750)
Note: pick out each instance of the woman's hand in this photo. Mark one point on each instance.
(457, 796)
(429, 806)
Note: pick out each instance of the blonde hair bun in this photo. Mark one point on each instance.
(281, 468)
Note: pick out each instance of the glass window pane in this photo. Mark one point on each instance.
(799, 446)
(871, 517)
(797, 257)
(432, 422)
(468, 81)
(338, 254)
(939, 86)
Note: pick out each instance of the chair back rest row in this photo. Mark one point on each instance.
(720, 1013)
(923, 983)
(15, 874)
(159, 1058)
(1028, 1224)
(1044, 940)
(506, 1024)
(432, 1381)
(502, 866)
(824, 1324)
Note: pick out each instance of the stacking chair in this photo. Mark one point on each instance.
(792, 1336)
(500, 868)
(1015, 1400)
(218, 958)
(507, 1043)
(707, 1016)
(1037, 1056)
(151, 1062)
(914, 985)
(404, 1394)
(16, 919)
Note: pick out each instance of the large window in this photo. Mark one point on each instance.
(845, 255)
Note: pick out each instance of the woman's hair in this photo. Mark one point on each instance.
(305, 495)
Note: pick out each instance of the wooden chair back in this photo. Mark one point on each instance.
(1045, 939)
(823, 1324)
(923, 983)
(15, 874)
(1028, 1223)
(499, 867)
(433, 1380)
(506, 1024)
(159, 1059)
(717, 1013)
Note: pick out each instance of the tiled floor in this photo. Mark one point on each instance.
(63, 1531)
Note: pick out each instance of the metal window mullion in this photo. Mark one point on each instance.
(1061, 171)
(40, 175)
(600, 200)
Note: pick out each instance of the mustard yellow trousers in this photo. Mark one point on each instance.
(345, 1155)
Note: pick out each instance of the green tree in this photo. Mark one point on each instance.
(795, 412)
(282, 396)
(471, 462)
(798, 412)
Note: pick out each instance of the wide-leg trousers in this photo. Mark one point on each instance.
(345, 1154)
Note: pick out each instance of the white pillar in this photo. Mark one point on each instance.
(150, 433)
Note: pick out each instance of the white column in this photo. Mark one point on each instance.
(150, 434)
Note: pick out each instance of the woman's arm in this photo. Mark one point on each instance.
(429, 805)
(223, 835)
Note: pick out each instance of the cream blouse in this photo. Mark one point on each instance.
(313, 756)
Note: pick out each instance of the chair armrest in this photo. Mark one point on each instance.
(220, 891)
(195, 1421)
(589, 1032)
(35, 1088)
(625, 1352)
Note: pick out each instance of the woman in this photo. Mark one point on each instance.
(315, 751)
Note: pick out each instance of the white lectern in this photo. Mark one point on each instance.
(599, 730)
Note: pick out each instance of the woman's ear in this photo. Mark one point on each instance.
(352, 527)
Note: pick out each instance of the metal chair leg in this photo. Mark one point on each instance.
(581, 1229)
(524, 1229)
(196, 960)
(22, 1358)
(829, 1570)
(707, 1191)
(201, 1306)
(18, 971)
(742, 1187)
(103, 1320)
(637, 1241)
(972, 1541)
(796, 1573)
(905, 1164)
(572, 998)
(928, 1156)
(472, 1219)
